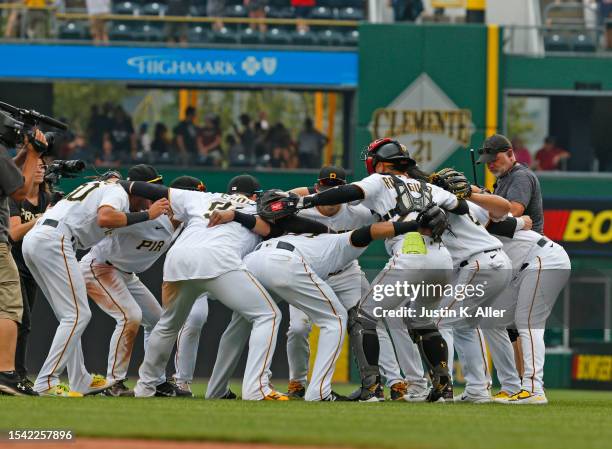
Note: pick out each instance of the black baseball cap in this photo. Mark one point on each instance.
(497, 143)
(146, 173)
(331, 176)
(245, 184)
(188, 183)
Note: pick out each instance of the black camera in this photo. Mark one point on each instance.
(17, 123)
(58, 170)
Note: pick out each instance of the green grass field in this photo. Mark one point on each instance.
(573, 419)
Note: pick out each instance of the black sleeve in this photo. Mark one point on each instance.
(301, 225)
(146, 190)
(504, 228)
(338, 195)
(361, 237)
(14, 208)
(461, 209)
(11, 178)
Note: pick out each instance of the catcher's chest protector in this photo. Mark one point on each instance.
(408, 202)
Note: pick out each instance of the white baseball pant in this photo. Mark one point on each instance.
(51, 258)
(126, 299)
(492, 271)
(188, 341)
(239, 291)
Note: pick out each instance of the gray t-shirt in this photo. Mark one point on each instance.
(520, 184)
(10, 180)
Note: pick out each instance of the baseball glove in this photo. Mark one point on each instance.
(434, 219)
(273, 205)
(453, 181)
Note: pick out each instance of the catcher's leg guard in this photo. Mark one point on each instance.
(434, 351)
(364, 343)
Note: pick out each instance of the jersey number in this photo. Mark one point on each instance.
(81, 192)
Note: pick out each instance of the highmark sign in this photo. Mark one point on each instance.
(426, 120)
(336, 69)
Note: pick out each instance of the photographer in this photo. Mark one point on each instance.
(23, 216)
(14, 184)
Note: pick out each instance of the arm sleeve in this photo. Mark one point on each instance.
(115, 197)
(338, 195)
(146, 190)
(301, 225)
(504, 228)
(520, 189)
(10, 177)
(461, 209)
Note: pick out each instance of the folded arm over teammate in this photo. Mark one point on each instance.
(497, 206)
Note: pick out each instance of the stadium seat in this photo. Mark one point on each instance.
(153, 9)
(350, 39)
(236, 11)
(74, 30)
(556, 42)
(197, 10)
(330, 37)
(126, 8)
(274, 12)
(122, 31)
(322, 13)
(304, 37)
(198, 34)
(350, 13)
(224, 36)
(277, 36)
(250, 36)
(584, 42)
(150, 32)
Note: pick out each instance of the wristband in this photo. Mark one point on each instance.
(246, 220)
(403, 227)
(136, 217)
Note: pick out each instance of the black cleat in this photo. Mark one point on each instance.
(119, 389)
(439, 389)
(229, 395)
(335, 397)
(11, 384)
(170, 390)
(372, 393)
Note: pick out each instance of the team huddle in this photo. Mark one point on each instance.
(251, 249)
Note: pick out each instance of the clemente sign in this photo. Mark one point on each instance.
(454, 124)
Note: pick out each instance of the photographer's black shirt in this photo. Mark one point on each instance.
(27, 212)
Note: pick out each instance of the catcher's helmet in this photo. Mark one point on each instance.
(387, 150)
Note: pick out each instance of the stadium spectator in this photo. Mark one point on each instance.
(37, 19)
(550, 156)
(257, 10)
(96, 9)
(302, 11)
(96, 127)
(107, 159)
(215, 8)
(604, 8)
(236, 153)
(177, 31)
(310, 145)
(246, 136)
(522, 154)
(186, 136)
(160, 147)
(406, 10)
(122, 135)
(210, 152)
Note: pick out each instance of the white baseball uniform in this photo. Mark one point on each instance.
(49, 250)
(540, 270)
(188, 341)
(109, 270)
(207, 259)
(478, 260)
(294, 268)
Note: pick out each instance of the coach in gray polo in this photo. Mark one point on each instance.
(515, 182)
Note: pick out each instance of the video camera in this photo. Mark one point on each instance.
(58, 170)
(17, 123)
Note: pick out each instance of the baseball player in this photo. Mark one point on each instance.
(110, 272)
(349, 285)
(79, 221)
(540, 270)
(207, 259)
(294, 268)
(395, 195)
